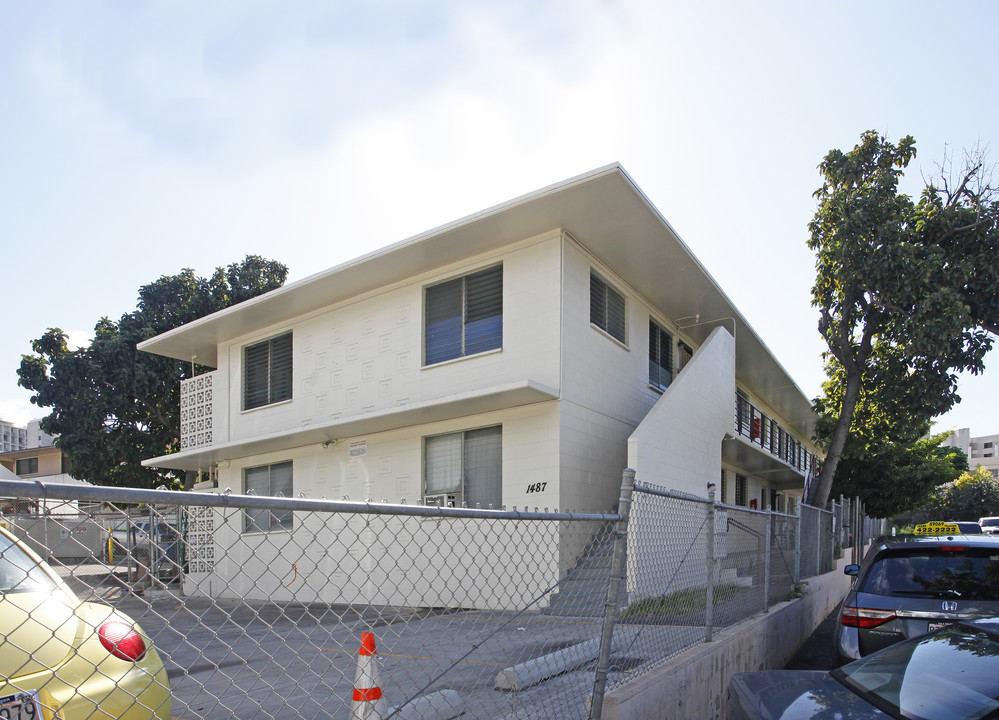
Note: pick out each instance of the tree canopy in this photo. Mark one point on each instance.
(113, 406)
(973, 495)
(907, 292)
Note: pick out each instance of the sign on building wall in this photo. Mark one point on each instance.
(358, 448)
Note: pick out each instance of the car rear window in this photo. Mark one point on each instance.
(969, 573)
(18, 572)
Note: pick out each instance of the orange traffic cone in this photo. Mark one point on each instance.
(368, 702)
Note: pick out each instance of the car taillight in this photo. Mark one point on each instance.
(865, 618)
(122, 641)
(952, 548)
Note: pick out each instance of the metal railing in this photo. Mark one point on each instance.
(765, 432)
(493, 613)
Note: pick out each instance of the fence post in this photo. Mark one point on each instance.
(613, 592)
(766, 562)
(797, 545)
(709, 596)
(818, 542)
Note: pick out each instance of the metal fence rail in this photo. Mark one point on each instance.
(261, 607)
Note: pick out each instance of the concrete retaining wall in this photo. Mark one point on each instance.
(693, 685)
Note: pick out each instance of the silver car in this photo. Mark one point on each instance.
(911, 585)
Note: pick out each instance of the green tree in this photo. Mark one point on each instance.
(908, 292)
(896, 476)
(973, 495)
(113, 406)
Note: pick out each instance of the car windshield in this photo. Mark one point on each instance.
(18, 572)
(967, 573)
(952, 674)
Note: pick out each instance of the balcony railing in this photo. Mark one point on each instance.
(765, 432)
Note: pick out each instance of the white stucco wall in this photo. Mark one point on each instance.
(678, 445)
(367, 355)
(605, 385)
(340, 558)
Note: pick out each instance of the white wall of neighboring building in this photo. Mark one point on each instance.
(35, 437)
(985, 452)
(981, 449)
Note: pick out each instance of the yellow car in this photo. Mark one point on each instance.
(64, 659)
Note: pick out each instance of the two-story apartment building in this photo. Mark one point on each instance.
(523, 356)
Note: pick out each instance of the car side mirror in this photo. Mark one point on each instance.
(851, 570)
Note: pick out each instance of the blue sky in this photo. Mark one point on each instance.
(141, 138)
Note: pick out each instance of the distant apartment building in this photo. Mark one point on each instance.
(37, 438)
(12, 437)
(34, 458)
(982, 450)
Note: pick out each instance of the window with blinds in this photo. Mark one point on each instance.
(464, 316)
(660, 356)
(464, 467)
(606, 307)
(269, 481)
(267, 374)
(740, 490)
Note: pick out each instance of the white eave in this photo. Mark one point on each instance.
(604, 210)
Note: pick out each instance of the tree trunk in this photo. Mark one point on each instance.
(821, 489)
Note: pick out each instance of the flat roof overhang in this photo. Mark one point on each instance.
(502, 397)
(759, 463)
(604, 210)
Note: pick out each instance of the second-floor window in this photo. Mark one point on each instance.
(606, 307)
(660, 356)
(267, 375)
(464, 316)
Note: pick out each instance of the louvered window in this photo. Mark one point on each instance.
(267, 372)
(741, 491)
(660, 356)
(606, 307)
(464, 316)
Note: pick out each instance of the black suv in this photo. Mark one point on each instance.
(913, 584)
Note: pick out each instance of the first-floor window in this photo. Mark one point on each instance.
(26, 466)
(465, 467)
(271, 481)
(724, 495)
(740, 490)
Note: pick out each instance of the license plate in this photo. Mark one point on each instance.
(22, 706)
(937, 626)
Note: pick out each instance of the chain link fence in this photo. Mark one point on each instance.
(262, 607)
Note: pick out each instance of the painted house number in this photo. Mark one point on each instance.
(536, 487)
